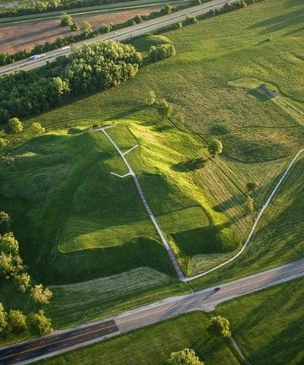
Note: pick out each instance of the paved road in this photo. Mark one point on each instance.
(204, 300)
(122, 34)
(28, 351)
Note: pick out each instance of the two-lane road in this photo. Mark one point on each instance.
(119, 35)
(28, 351)
(204, 300)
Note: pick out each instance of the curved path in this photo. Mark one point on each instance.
(145, 202)
(255, 223)
(204, 300)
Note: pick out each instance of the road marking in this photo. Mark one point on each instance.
(66, 339)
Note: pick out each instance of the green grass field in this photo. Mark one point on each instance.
(154, 345)
(76, 222)
(266, 325)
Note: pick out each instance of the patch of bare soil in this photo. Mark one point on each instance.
(25, 36)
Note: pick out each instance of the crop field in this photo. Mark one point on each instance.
(77, 222)
(21, 36)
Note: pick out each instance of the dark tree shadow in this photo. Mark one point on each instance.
(258, 94)
(190, 165)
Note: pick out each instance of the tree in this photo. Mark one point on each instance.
(10, 265)
(74, 27)
(252, 186)
(36, 129)
(218, 327)
(215, 147)
(86, 27)
(250, 204)
(151, 98)
(184, 357)
(23, 281)
(39, 324)
(15, 125)
(2, 143)
(16, 321)
(41, 295)
(9, 244)
(66, 20)
(4, 222)
(3, 319)
(161, 52)
(164, 108)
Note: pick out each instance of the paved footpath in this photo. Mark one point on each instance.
(145, 202)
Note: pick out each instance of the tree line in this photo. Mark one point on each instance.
(40, 6)
(13, 270)
(93, 67)
(6, 58)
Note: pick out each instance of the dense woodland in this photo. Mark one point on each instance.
(94, 67)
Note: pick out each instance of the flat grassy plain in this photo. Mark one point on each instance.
(63, 199)
(266, 325)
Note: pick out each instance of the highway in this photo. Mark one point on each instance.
(204, 300)
(119, 35)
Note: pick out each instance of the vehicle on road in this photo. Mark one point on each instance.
(217, 289)
(36, 57)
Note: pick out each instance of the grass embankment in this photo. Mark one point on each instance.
(51, 182)
(277, 240)
(266, 325)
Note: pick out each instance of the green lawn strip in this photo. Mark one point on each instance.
(83, 234)
(184, 219)
(197, 82)
(268, 325)
(278, 239)
(100, 298)
(154, 344)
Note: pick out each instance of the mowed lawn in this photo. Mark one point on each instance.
(63, 198)
(266, 325)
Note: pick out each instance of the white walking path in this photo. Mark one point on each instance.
(144, 200)
(255, 223)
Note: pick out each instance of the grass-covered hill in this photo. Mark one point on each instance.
(75, 221)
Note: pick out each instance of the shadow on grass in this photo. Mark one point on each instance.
(280, 22)
(190, 165)
(206, 240)
(90, 264)
(258, 94)
(230, 203)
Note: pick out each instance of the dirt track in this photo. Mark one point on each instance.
(22, 36)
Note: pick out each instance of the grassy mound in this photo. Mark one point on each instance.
(206, 240)
(143, 44)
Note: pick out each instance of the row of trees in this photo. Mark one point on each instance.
(13, 270)
(67, 21)
(93, 67)
(16, 322)
(40, 6)
(5, 58)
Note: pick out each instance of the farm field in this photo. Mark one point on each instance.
(76, 222)
(266, 320)
(24, 36)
